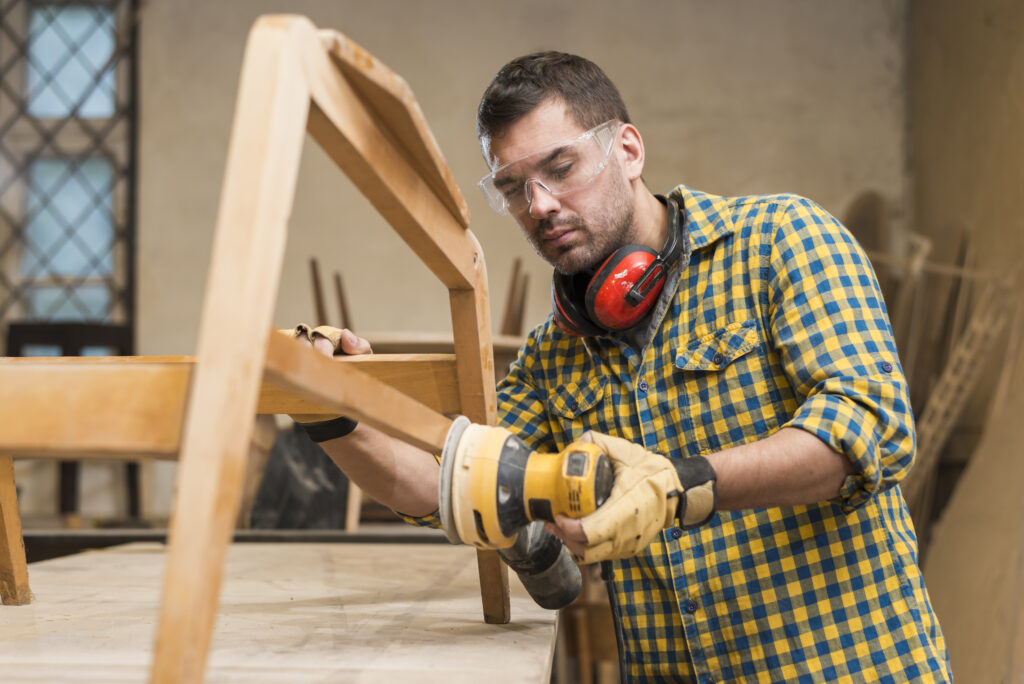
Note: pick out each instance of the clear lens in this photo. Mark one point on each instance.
(560, 168)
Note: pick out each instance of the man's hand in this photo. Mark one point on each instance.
(328, 341)
(647, 497)
(398, 475)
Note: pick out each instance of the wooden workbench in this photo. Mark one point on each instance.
(288, 613)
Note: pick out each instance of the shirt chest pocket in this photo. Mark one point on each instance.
(726, 395)
(576, 407)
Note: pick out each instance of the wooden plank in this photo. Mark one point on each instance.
(344, 390)
(973, 564)
(474, 361)
(78, 406)
(395, 107)
(56, 408)
(267, 136)
(297, 613)
(426, 378)
(14, 589)
(345, 128)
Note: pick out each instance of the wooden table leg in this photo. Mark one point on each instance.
(14, 589)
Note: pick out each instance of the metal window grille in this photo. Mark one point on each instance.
(67, 160)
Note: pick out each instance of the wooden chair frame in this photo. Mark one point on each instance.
(294, 79)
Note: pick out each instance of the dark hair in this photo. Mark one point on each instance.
(525, 82)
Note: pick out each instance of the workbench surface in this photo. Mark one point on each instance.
(288, 613)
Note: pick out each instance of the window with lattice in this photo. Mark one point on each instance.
(67, 161)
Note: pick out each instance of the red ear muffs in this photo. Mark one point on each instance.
(622, 291)
(612, 299)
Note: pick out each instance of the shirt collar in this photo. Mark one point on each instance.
(707, 217)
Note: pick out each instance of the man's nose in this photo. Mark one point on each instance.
(542, 202)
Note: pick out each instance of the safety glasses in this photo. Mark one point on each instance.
(559, 169)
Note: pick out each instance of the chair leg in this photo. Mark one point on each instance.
(353, 507)
(14, 589)
(69, 487)
(131, 483)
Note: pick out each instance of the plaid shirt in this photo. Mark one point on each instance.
(777, 321)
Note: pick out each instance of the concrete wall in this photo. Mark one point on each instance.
(732, 97)
(966, 109)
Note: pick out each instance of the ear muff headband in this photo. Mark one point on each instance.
(570, 317)
(622, 291)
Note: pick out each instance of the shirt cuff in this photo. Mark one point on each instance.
(430, 520)
(847, 429)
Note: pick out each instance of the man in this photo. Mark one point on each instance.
(754, 349)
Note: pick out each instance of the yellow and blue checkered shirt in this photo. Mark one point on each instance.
(777, 321)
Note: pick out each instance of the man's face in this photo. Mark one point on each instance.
(578, 230)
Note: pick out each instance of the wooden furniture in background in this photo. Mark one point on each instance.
(294, 79)
(515, 301)
(948, 398)
(588, 630)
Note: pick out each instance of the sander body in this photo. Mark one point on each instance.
(492, 485)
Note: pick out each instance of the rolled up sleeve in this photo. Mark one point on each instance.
(833, 335)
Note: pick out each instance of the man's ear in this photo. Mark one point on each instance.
(632, 148)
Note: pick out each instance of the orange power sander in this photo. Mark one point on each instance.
(495, 493)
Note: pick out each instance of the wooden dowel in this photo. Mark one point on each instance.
(318, 294)
(343, 310)
(508, 321)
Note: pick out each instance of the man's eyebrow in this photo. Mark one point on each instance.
(504, 181)
(554, 155)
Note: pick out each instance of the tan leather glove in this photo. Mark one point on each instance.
(321, 428)
(651, 493)
(303, 330)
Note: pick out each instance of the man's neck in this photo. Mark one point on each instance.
(650, 220)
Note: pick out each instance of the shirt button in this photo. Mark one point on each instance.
(676, 533)
(642, 386)
(887, 367)
(691, 607)
(718, 360)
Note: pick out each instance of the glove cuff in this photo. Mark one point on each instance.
(325, 430)
(699, 497)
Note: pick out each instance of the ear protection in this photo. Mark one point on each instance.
(622, 290)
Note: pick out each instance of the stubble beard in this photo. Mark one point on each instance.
(590, 249)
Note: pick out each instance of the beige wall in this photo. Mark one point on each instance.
(966, 108)
(731, 97)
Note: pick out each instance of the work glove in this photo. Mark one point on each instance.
(650, 494)
(316, 426)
